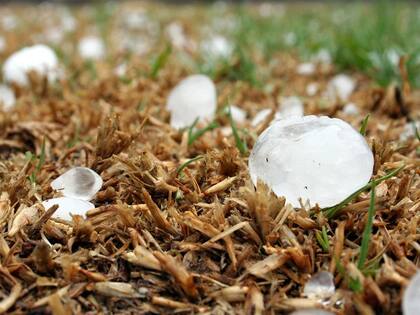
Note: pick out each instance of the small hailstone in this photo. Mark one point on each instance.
(411, 297)
(238, 114)
(39, 58)
(311, 311)
(350, 109)
(317, 158)
(322, 56)
(312, 88)
(176, 35)
(217, 46)
(91, 47)
(78, 182)
(306, 68)
(2, 43)
(321, 285)
(409, 130)
(67, 206)
(290, 106)
(393, 56)
(7, 97)
(260, 117)
(192, 98)
(341, 87)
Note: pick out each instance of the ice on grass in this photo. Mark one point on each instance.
(411, 297)
(68, 206)
(312, 88)
(2, 44)
(306, 68)
(40, 59)
(311, 311)
(79, 183)
(340, 87)
(7, 97)
(192, 98)
(217, 46)
(91, 47)
(320, 285)
(317, 158)
(350, 109)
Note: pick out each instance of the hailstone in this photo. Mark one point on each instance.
(311, 311)
(340, 87)
(79, 183)
(68, 206)
(306, 68)
(290, 106)
(217, 46)
(192, 98)
(317, 158)
(411, 297)
(91, 47)
(350, 109)
(39, 58)
(7, 97)
(321, 285)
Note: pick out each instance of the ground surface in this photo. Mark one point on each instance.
(201, 239)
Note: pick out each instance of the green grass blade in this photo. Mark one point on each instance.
(364, 125)
(184, 165)
(364, 247)
(241, 145)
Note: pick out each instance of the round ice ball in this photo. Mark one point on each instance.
(40, 59)
(192, 98)
(317, 158)
(78, 182)
(91, 47)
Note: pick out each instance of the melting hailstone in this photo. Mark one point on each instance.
(7, 97)
(39, 59)
(340, 87)
(411, 297)
(321, 285)
(192, 98)
(91, 47)
(289, 106)
(78, 182)
(311, 311)
(68, 206)
(317, 158)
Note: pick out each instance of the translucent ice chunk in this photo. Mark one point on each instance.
(78, 182)
(321, 285)
(317, 158)
(91, 47)
(312, 88)
(67, 206)
(340, 87)
(411, 298)
(192, 98)
(238, 114)
(7, 97)
(39, 58)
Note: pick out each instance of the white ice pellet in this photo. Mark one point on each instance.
(68, 206)
(194, 97)
(312, 88)
(39, 58)
(340, 87)
(311, 311)
(7, 97)
(260, 117)
(306, 68)
(176, 34)
(217, 46)
(409, 130)
(411, 297)
(320, 285)
(290, 106)
(2, 44)
(317, 158)
(322, 56)
(238, 114)
(78, 182)
(350, 109)
(91, 47)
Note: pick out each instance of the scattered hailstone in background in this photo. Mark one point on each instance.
(78, 182)
(260, 117)
(350, 109)
(2, 44)
(290, 106)
(67, 206)
(91, 47)
(340, 87)
(217, 46)
(312, 88)
(311, 311)
(7, 97)
(322, 56)
(320, 285)
(409, 130)
(238, 114)
(194, 97)
(317, 158)
(39, 58)
(306, 68)
(411, 297)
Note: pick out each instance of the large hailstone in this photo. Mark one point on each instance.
(411, 298)
(91, 47)
(68, 206)
(7, 97)
(192, 98)
(320, 285)
(79, 183)
(317, 158)
(39, 58)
